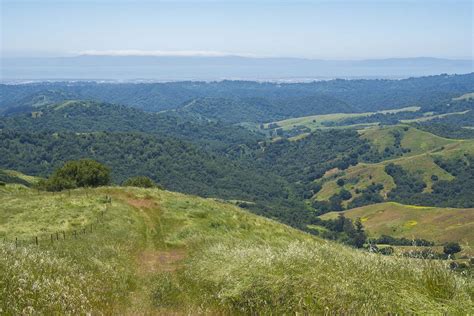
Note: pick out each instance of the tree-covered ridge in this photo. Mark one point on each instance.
(177, 165)
(458, 192)
(358, 95)
(413, 167)
(237, 110)
(90, 116)
(401, 181)
(276, 176)
(447, 130)
(308, 158)
(456, 112)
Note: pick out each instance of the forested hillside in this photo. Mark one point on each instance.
(419, 168)
(260, 109)
(302, 98)
(177, 165)
(90, 116)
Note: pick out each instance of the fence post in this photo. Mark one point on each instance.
(51, 238)
(75, 234)
(57, 236)
(36, 240)
(16, 242)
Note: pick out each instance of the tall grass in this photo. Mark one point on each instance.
(309, 278)
(236, 262)
(39, 282)
(91, 273)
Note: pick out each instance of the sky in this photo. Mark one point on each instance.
(259, 28)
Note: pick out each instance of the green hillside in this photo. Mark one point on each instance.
(157, 252)
(89, 116)
(417, 152)
(467, 96)
(12, 176)
(412, 139)
(431, 223)
(318, 121)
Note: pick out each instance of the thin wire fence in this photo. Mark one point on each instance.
(52, 238)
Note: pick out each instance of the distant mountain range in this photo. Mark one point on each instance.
(176, 68)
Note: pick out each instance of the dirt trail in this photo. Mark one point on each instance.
(154, 258)
(153, 261)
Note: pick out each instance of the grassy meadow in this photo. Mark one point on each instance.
(159, 252)
(409, 221)
(315, 121)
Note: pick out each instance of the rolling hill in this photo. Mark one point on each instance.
(436, 224)
(418, 153)
(148, 251)
(240, 110)
(320, 121)
(354, 95)
(83, 116)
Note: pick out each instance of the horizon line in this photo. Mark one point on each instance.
(211, 54)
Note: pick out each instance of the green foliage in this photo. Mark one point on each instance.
(139, 181)
(264, 109)
(389, 240)
(449, 131)
(345, 195)
(406, 184)
(455, 193)
(88, 116)
(177, 165)
(344, 230)
(9, 178)
(76, 174)
(265, 99)
(387, 251)
(307, 159)
(369, 195)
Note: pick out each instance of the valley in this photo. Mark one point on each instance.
(216, 157)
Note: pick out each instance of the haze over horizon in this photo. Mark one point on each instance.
(245, 40)
(336, 30)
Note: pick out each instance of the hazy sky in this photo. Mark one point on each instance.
(312, 29)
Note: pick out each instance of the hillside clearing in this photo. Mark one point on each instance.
(315, 121)
(423, 148)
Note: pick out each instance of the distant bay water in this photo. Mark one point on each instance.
(171, 68)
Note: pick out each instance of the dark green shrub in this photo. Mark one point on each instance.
(451, 248)
(140, 181)
(77, 173)
(345, 195)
